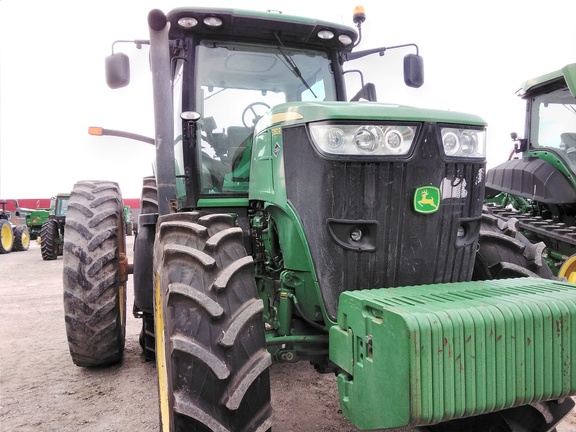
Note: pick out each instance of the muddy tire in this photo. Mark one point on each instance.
(143, 271)
(503, 252)
(210, 347)
(49, 240)
(6, 237)
(21, 238)
(94, 274)
(149, 197)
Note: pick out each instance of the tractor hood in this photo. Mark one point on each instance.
(306, 112)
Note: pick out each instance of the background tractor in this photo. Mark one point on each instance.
(52, 232)
(287, 221)
(14, 234)
(129, 227)
(532, 197)
(35, 218)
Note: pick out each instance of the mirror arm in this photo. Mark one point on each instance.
(381, 51)
(137, 42)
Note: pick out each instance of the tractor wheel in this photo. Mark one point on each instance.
(21, 238)
(149, 197)
(143, 270)
(95, 274)
(6, 237)
(503, 252)
(210, 347)
(49, 241)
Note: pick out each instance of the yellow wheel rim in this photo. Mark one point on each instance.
(161, 357)
(25, 240)
(6, 236)
(568, 269)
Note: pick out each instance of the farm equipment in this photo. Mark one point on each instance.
(14, 234)
(35, 218)
(532, 196)
(287, 222)
(52, 232)
(129, 227)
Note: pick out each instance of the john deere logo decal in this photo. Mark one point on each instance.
(427, 199)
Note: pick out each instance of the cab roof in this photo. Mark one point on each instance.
(550, 81)
(262, 26)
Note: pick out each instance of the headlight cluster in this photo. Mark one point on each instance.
(464, 142)
(358, 140)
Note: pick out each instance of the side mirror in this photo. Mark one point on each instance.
(413, 70)
(367, 92)
(117, 70)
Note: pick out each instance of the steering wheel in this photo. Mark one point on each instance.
(253, 112)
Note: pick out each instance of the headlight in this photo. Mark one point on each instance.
(464, 142)
(359, 140)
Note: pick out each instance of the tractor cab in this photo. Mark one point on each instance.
(230, 67)
(551, 103)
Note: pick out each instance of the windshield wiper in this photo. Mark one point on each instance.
(292, 65)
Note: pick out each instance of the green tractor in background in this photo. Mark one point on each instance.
(129, 225)
(531, 198)
(286, 221)
(14, 234)
(35, 218)
(52, 232)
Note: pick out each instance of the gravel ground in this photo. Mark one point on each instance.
(42, 390)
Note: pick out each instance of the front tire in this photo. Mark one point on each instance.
(94, 274)
(49, 240)
(21, 238)
(210, 347)
(503, 252)
(6, 237)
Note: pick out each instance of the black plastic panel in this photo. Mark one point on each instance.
(531, 178)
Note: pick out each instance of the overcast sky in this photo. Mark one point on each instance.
(52, 86)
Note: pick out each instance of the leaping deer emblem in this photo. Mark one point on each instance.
(424, 200)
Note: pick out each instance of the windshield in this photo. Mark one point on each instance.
(61, 206)
(237, 83)
(553, 122)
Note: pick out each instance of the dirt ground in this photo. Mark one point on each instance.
(42, 390)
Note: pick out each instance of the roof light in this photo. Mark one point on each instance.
(359, 15)
(325, 34)
(345, 39)
(187, 22)
(212, 21)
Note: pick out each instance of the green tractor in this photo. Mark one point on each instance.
(129, 226)
(531, 198)
(286, 221)
(52, 232)
(35, 218)
(14, 234)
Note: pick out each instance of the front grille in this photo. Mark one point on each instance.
(411, 248)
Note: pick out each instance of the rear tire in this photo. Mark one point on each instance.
(503, 252)
(94, 279)
(143, 268)
(210, 347)
(21, 238)
(49, 241)
(6, 237)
